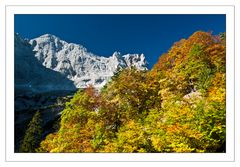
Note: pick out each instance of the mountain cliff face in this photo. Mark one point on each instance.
(30, 75)
(36, 88)
(80, 66)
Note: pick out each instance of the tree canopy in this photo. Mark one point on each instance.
(178, 106)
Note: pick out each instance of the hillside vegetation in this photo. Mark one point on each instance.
(178, 106)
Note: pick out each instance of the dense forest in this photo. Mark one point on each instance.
(177, 106)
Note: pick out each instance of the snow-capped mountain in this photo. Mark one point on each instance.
(31, 75)
(80, 66)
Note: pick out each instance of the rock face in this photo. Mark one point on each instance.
(30, 75)
(80, 66)
(36, 88)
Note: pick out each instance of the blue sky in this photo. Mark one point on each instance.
(103, 34)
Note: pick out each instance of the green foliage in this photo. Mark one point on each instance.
(178, 106)
(33, 134)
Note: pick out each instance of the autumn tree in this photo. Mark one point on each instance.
(178, 106)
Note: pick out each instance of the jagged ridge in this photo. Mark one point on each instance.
(79, 65)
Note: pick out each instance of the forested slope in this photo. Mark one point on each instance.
(178, 106)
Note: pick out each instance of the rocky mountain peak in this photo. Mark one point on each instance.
(31, 75)
(80, 66)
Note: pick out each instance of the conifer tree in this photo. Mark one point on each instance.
(33, 134)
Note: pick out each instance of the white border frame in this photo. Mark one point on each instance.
(229, 156)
